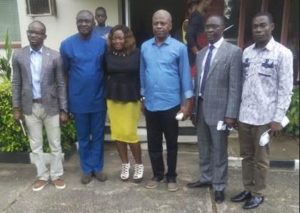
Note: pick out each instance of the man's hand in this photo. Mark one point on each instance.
(275, 128)
(63, 116)
(194, 50)
(230, 122)
(17, 114)
(186, 109)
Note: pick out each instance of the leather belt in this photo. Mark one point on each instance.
(37, 101)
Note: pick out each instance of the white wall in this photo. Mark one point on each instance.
(63, 25)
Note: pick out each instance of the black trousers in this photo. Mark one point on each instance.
(161, 123)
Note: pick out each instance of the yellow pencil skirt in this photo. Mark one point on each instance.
(124, 117)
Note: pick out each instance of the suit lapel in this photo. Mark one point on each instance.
(220, 52)
(45, 59)
(27, 63)
(199, 64)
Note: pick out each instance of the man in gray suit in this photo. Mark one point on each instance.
(217, 91)
(39, 92)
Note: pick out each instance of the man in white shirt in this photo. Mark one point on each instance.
(266, 96)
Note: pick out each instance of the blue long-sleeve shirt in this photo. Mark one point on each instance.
(83, 66)
(165, 74)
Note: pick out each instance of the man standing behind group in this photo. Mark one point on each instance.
(39, 93)
(165, 78)
(101, 29)
(196, 27)
(83, 57)
(266, 96)
(218, 91)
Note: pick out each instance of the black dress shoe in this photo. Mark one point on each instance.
(241, 197)
(219, 196)
(85, 179)
(254, 202)
(198, 184)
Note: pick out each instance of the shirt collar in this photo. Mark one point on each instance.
(33, 51)
(218, 43)
(270, 45)
(167, 41)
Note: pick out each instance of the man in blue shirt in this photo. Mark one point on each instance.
(165, 79)
(82, 55)
(101, 29)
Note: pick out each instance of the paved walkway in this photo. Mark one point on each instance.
(114, 196)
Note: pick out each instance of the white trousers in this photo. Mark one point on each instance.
(34, 124)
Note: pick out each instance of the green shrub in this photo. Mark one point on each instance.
(293, 114)
(5, 68)
(11, 135)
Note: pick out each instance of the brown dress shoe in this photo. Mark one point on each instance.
(39, 185)
(59, 183)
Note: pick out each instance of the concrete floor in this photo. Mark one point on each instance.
(115, 196)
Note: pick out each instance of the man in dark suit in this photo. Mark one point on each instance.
(217, 91)
(39, 93)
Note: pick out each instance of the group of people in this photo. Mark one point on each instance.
(91, 76)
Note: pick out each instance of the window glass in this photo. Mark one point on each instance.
(38, 7)
(9, 20)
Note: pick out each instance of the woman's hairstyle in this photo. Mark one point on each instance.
(130, 43)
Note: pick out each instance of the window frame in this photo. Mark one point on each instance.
(52, 9)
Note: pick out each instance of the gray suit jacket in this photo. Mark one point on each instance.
(53, 86)
(223, 85)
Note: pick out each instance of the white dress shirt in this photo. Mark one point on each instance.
(214, 52)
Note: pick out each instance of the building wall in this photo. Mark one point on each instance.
(63, 25)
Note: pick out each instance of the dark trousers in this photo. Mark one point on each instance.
(161, 123)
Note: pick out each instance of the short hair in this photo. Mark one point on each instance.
(264, 13)
(130, 43)
(221, 17)
(85, 11)
(101, 8)
(39, 22)
(165, 12)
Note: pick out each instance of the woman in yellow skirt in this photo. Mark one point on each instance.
(123, 96)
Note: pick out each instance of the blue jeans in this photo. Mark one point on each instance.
(90, 135)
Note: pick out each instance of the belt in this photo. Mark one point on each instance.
(37, 101)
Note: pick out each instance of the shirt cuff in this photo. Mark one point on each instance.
(142, 92)
(188, 94)
(279, 115)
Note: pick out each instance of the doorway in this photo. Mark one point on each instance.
(141, 16)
